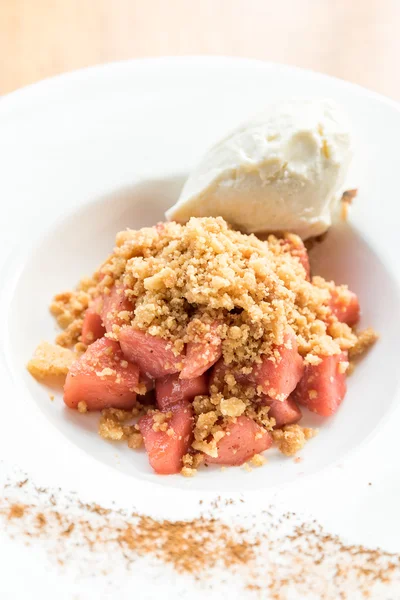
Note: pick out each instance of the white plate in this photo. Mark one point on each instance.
(87, 154)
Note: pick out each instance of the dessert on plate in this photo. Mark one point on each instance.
(201, 341)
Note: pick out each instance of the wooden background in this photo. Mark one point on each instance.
(358, 40)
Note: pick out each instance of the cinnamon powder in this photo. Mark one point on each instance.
(275, 557)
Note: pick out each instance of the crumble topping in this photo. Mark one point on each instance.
(292, 438)
(204, 281)
(232, 407)
(114, 425)
(50, 360)
(193, 460)
(161, 421)
(71, 334)
(258, 460)
(188, 471)
(184, 279)
(135, 440)
(365, 340)
(82, 407)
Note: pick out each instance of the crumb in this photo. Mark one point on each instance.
(343, 367)
(187, 460)
(50, 360)
(247, 467)
(309, 432)
(258, 460)
(118, 414)
(292, 438)
(110, 430)
(111, 426)
(209, 448)
(312, 359)
(202, 404)
(51, 396)
(232, 407)
(188, 472)
(198, 459)
(82, 407)
(135, 440)
(80, 348)
(106, 372)
(161, 420)
(140, 389)
(204, 424)
(70, 336)
(365, 339)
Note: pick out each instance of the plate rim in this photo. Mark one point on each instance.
(208, 60)
(179, 62)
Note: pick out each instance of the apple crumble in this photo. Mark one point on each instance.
(223, 337)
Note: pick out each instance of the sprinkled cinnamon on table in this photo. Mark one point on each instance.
(277, 553)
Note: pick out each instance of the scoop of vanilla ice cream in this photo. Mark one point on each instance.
(281, 171)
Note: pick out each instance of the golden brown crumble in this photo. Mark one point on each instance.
(202, 404)
(365, 340)
(111, 429)
(141, 387)
(232, 407)
(204, 280)
(193, 460)
(82, 407)
(204, 273)
(80, 348)
(161, 420)
(343, 367)
(71, 334)
(209, 448)
(113, 425)
(292, 438)
(204, 425)
(258, 460)
(188, 471)
(135, 440)
(50, 360)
